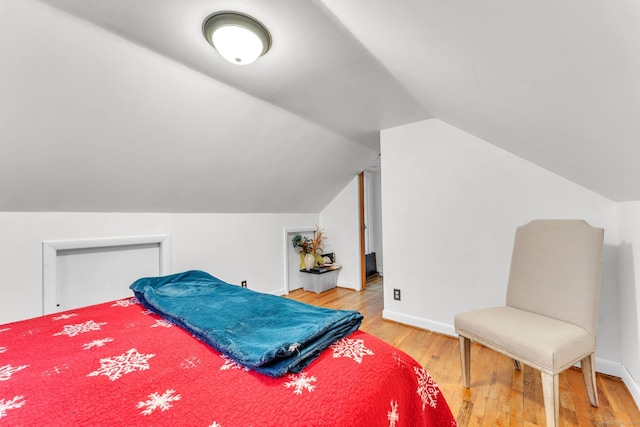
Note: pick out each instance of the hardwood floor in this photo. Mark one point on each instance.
(499, 395)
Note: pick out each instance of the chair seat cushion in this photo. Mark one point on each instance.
(545, 343)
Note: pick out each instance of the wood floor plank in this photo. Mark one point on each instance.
(516, 405)
(585, 413)
(618, 404)
(499, 395)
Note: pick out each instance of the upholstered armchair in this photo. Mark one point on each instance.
(549, 320)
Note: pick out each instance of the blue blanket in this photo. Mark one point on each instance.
(266, 333)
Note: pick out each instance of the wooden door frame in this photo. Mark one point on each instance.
(363, 269)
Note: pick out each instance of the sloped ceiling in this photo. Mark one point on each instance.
(123, 106)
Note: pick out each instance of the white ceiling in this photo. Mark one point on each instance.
(557, 83)
(316, 68)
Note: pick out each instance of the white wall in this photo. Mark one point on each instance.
(341, 221)
(629, 262)
(233, 247)
(451, 204)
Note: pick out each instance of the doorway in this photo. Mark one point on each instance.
(371, 253)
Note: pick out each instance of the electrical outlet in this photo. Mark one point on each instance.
(244, 283)
(396, 294)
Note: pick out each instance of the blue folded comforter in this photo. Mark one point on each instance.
(266, 333)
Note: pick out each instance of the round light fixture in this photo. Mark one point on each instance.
(239, 38)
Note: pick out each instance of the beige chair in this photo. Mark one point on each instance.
(549, 321)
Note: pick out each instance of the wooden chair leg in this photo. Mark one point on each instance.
(465, 358)
(551, 395)
(589, 374)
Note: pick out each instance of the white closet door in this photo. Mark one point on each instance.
(95, 275)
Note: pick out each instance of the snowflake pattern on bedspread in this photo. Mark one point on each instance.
(125, 302)
(96, 343)
(56, 370)
(190, 362)
(353, 349)
(301, 382)
(14, 403)
(392, 415)
(80, 328)
(427, 389)
(65, 316)
(155, 401)
(7, 370)
(162, 323)
(399, 360)
(229, 363)
(115, 367)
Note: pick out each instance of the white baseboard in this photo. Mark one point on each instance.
(349, 285)
(283, 291)
(608, 367)
(634, 387)
(619, 370)
(419, 322)
(278, 292)
(602, 365)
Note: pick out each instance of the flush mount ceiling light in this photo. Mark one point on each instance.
(239, 38)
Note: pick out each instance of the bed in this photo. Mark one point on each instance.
(122, 363)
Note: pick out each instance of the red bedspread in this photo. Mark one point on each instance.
(116, 364)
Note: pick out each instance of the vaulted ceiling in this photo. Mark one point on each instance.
(122, 105)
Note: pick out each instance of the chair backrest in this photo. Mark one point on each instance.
(555, 271)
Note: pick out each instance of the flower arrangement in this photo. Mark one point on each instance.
(309, 248)
(301, 244)
(307, 245)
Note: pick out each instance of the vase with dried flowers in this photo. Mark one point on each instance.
(310, 249)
